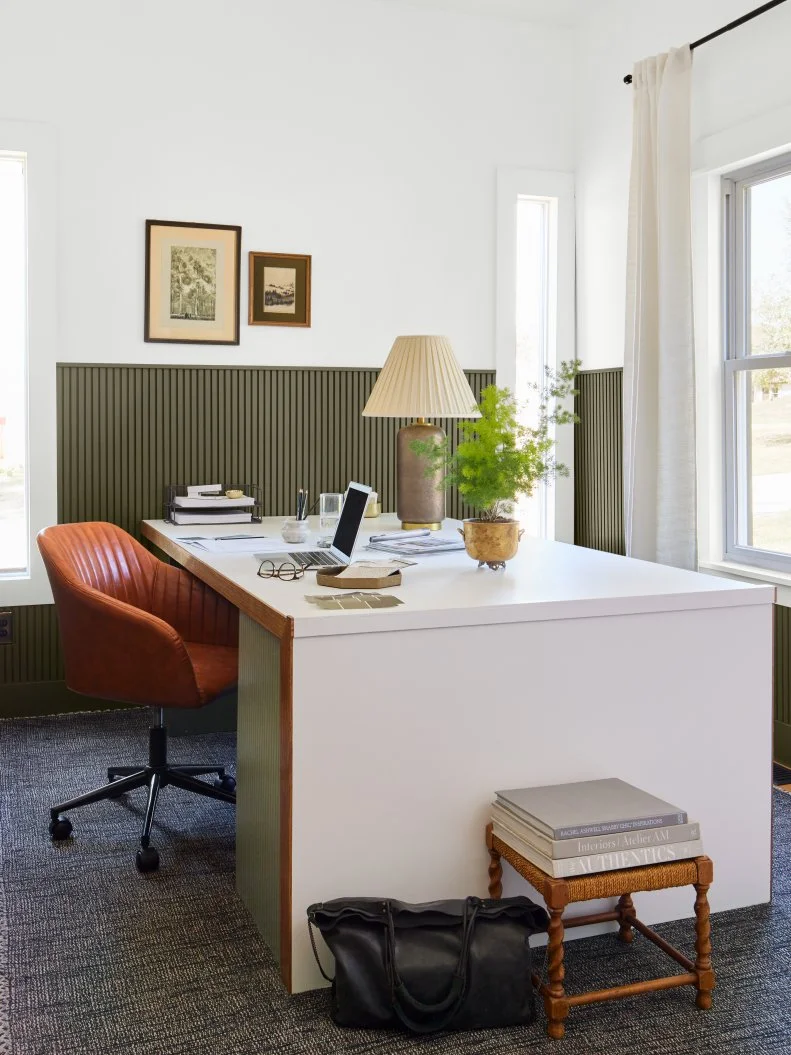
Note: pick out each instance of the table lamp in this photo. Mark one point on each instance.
(420, 379)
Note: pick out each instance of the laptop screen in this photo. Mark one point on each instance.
(350, 519)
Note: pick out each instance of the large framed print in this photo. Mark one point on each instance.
(192, 282)
(279, 290)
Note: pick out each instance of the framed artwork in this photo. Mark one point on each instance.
(192, 282)
(279, 290)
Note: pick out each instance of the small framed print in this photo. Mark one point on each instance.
(279, 290)
(192, 282)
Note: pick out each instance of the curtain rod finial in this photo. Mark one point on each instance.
(627, 79)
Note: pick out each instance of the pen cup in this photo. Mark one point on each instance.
(294, 530)
(373, 507)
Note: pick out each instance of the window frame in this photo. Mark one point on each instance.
(37, 142)
(737, 357)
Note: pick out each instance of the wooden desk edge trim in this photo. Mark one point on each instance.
(282, 627)
(286, 796)
(260, 612)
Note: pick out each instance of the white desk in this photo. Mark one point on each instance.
(370, 742)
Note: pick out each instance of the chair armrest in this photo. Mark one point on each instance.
(118, 652)
(196, 611)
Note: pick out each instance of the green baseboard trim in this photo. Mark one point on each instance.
(216, 717)
(782, 744)
(36, 698)
(33, 698)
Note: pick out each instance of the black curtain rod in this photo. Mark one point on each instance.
(726, 29)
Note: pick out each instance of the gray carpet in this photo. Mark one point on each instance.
(96, 959)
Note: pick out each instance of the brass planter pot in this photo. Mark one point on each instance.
(491, 542)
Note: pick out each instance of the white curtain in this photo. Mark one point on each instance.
(659, 368)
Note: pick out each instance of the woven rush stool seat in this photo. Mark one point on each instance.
(558, 893)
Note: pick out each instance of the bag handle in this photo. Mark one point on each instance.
(449, 1006)
(315, 951)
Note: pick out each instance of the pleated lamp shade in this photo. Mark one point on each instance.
(421, 379)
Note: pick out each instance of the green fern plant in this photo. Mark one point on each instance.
(498, 458)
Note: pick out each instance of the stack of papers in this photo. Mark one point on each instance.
(415, 542)
(208, 504)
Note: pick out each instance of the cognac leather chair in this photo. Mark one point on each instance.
(138, 631)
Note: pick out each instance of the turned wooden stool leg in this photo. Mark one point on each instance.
(625, 909)
(705, 974)
(495, 874)
(555, 1003)
(495, 866)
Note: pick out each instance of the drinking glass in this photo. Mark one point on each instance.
(330, 506)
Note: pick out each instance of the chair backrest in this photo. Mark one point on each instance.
(114, 646)
(99, 555)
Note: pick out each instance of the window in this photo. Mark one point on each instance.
(536, 238)
(28, 354)
(14, 555)
(757, 370)
(535, 315)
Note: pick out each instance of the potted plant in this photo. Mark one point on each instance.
(498, 458)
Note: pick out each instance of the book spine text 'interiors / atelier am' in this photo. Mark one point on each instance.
(587, 864)
(596, 844)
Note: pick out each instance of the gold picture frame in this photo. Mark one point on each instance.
(279, 289)
(192, 282)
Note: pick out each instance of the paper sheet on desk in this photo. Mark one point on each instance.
(236, 545)
(338, 602)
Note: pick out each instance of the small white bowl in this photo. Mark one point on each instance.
(295, 531)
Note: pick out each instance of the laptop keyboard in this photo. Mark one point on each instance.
(314, 557)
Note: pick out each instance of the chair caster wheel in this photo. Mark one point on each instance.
(147, 859)
(226, 783)
(60, 828)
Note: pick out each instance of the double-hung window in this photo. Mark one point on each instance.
(757, 368)
(14, 534)
(28, 354)
(535, 316)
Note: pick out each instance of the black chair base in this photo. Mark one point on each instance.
(157, 774)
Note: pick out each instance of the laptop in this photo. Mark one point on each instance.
(339, 553)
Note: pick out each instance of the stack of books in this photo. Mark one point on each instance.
(592, 826)
(208, 504)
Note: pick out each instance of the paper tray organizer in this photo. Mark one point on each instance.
(229, 505)
(329, 577)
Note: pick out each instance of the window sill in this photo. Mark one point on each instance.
(747, 571)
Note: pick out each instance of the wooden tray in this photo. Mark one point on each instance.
(329, 577)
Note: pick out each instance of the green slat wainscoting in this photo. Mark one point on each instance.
(598, 461)
(35, 652)
(124, 432)
(598, 514)
(31, 668)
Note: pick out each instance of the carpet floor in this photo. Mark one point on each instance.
(96, 959)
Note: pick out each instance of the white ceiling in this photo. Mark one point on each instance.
(553, 12)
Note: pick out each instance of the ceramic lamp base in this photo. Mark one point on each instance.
(420, 503)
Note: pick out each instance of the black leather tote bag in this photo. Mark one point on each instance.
(440, 965)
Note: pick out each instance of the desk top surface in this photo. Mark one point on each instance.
(546, 580)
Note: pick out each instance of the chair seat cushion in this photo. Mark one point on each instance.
(216, 668)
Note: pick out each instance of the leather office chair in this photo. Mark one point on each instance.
(138, 631)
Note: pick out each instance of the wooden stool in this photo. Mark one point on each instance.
(558, 893)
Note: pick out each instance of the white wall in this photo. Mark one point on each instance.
(740, 79)
(365, 133)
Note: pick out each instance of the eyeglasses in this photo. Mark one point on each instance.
(287, 572)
